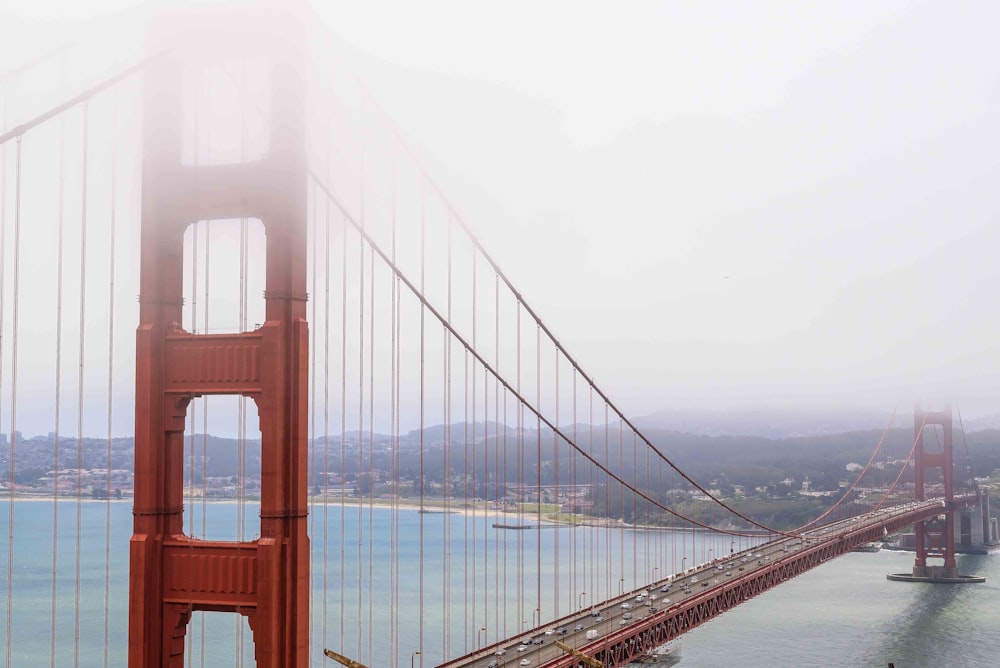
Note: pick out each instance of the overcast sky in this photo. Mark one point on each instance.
(709, 203)
(716, 202)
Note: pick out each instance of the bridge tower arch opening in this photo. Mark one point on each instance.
(171, 574)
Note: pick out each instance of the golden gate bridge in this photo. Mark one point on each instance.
(305, 284)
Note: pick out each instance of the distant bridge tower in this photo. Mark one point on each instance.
(934, 537)
(171, 574)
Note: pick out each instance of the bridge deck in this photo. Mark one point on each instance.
(628, 628)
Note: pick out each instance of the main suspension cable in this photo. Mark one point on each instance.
(491, 370)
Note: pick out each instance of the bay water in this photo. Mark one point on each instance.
(480, 584)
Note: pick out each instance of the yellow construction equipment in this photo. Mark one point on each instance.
(589, 660)
(340, 658)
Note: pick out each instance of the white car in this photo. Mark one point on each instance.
(525, 662)
(522, 648)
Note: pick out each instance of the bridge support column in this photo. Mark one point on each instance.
(171, 574)
(975, 530)
(935, 537)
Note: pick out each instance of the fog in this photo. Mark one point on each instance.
(711, 205)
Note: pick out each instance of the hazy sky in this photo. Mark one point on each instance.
(710, 203)
(724, 202)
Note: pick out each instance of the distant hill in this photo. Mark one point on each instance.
(768, 423)
(981, 422)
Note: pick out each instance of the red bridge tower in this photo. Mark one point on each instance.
(171, 574)
(935, 537)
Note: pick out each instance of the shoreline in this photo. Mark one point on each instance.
(433, 507)
(436, 507)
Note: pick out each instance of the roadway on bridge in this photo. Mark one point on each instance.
(536, 648)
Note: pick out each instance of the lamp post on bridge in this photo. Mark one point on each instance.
(684, 564)
(580, 598)
(709, 555)
(655, 568)
(536, 617)
(479, 636)
(621, 586)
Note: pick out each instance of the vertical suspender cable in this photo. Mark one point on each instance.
(469, 500)
(521, 473)
(241, 417)
(446, 478)
(60, 245)
(420, 640)
(111, 366)
(520, 467)
(621, 548)
(343, 430)
(576, 507)
(475, 489)
(192, 411)
(466, 497)
(79, 415)
(326, 425)
(195, 228)
(361, 387)
(13, 392)
(607, 496)
(204, 431)
(394, 435)
(188, 489)
(397, 333)
(593, 546)
(555, 481)
(486, 490)
(635, 454)
(371, 447)
(314, 244)
(496, 450)
(538, 474)
(241, 400)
